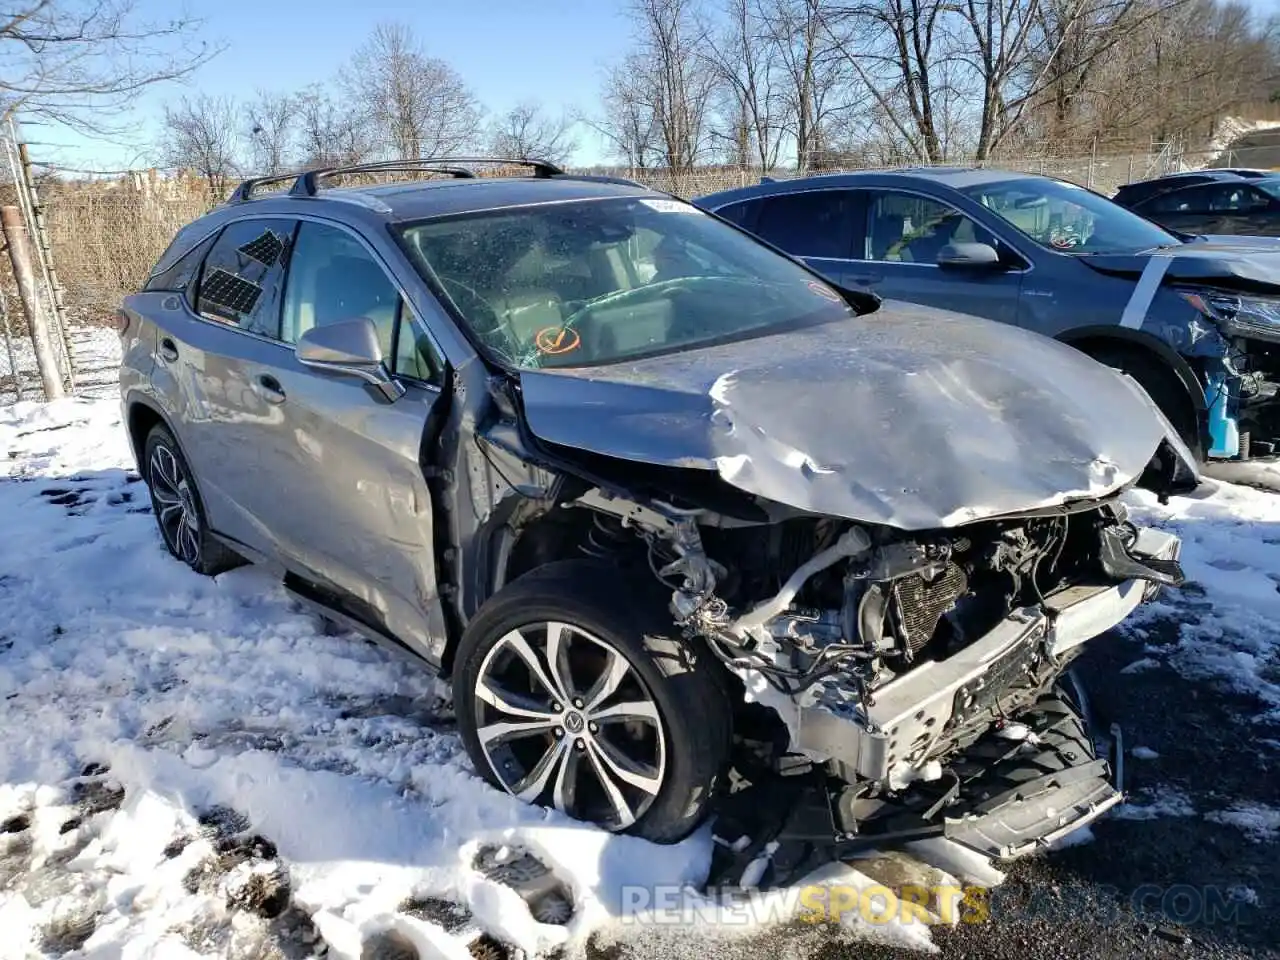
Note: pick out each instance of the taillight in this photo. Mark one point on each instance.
(122, 322)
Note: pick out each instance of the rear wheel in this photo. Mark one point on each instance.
(178, 509)
(574, 690)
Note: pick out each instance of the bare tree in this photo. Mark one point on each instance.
(270, 122)
(78, 61)
(815, 71)
(200, 136)
(417, 105)
(525, 131)
(672, 79)
(745, 59)
(329, 133)
(627, 122)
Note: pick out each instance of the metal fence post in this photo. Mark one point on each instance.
(15, 234)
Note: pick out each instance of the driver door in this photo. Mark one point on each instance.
(352, 510)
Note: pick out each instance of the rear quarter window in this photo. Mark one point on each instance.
(181, 273)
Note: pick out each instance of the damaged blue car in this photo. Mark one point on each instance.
(1195, 320)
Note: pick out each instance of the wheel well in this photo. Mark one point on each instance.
(142, 419)
(1150, 352)
(1179, 393)
(556, 534)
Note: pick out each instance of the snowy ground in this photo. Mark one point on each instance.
(193, 767)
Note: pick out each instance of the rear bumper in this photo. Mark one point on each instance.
(909, 715)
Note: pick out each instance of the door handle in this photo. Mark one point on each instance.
(866, 279)
(168, 350)
(269, 389)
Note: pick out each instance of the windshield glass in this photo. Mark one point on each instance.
(597, 281)
(1269, 185)
(1067, 218)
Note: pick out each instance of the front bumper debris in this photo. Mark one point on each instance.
(908, 714)
(782, 827)
(1015, 787)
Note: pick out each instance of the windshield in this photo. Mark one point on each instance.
(598, 281)
(1067, 218)
(1270, 185)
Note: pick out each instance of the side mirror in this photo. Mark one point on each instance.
(969, 256)
(349, 347)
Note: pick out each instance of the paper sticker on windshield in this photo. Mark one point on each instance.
(822, 290)
(670, 206)
(555, 340)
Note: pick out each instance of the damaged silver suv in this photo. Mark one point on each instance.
(687, 528)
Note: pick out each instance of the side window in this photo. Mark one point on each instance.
(905, 228)
(415, 354)
(332, 277)
(817, 223)
(182, 272)
(1242, 198)
(1202, 199)
(242, 276)
(739, 213)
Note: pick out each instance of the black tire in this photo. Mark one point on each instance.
(195, 546)
(1163, 386)
(681, 678)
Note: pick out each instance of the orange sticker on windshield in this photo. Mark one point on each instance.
(553, 340)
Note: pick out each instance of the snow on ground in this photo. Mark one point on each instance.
(194, 767)
(191, 766)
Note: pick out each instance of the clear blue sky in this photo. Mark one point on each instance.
(552, 51)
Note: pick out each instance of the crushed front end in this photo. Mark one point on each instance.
(911, 685)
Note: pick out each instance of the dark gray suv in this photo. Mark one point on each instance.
(654, 497)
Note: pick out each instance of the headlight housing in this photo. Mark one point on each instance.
(1238, 315)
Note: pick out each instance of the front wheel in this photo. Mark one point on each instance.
(573, 689)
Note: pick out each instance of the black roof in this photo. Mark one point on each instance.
(438, 198)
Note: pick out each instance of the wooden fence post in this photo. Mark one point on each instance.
(15, 234)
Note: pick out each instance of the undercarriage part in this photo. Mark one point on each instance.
(1002, 797)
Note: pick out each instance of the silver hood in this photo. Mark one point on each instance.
(909, 417)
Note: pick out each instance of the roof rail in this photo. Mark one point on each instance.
(308, 183)
(245, 190)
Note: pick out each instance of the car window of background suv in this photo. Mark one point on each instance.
(815, 223)
(241, 278)
(903, 227)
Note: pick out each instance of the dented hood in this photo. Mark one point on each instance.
(1248, 264)
(909, 417)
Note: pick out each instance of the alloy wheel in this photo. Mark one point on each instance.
(564, 719)
(175, 505)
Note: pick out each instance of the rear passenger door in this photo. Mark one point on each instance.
(351, 511)
(211, 349)
(898, 259)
